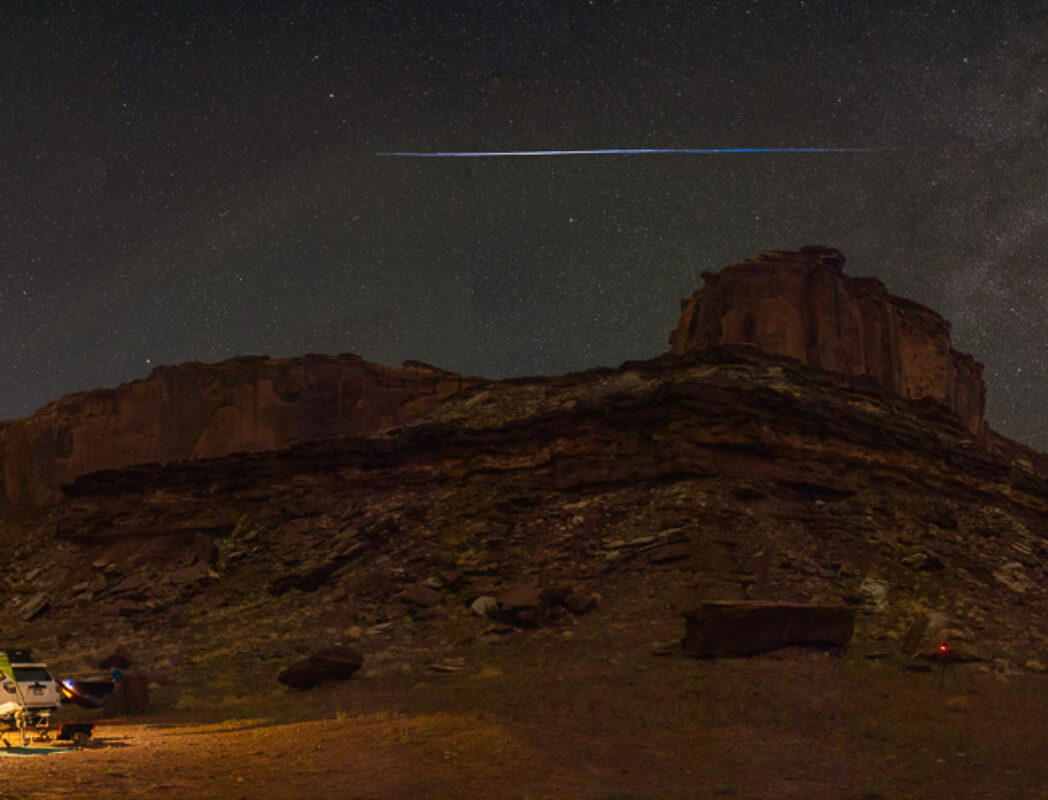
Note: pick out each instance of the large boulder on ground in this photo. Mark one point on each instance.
(579, 602)
(526, 604)
(485, 606)
(745, 627)
(530, 603)
(873, 594)
(335, 662)
(421, 595)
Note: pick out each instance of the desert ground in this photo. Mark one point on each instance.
(583, 710)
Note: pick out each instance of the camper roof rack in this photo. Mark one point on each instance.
(17, 654)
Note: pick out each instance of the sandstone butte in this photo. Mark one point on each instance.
(198, 411)
(795, 304)
(802, 305)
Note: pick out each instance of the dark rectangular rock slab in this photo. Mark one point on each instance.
(746, 627)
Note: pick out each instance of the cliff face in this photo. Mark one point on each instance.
(802, 305)
(195, 411)
(796, 304)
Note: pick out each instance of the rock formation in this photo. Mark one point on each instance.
(732, 474)
(196, 411)
(802, 305)
(795, 304)
(746, 627)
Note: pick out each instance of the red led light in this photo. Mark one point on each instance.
(942, 648)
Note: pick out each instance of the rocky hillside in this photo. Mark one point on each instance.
(728, 473)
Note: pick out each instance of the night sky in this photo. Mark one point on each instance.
(187, 181)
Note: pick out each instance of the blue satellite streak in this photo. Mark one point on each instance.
(631, 151)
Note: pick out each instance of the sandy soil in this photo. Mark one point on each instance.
(609, 723)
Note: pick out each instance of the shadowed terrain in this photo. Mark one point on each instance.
(592, 510)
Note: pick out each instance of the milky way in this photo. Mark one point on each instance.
(201, 182)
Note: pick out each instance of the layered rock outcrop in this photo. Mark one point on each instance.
(796, 304)
(802, 305)
(196, 411)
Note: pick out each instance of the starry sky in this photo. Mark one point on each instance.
(193, 181)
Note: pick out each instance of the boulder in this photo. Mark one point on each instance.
(529, 603)
(335, 662)
(580, 603)
(307, 579)
(873, 594)
(317, 575)
(746, 627)
(450, 578)
(525, 596)
(190, 576)
(135, 585)
(485, 606)
(422, 595)
(34, 606)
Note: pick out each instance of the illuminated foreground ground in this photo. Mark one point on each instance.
(612, 723)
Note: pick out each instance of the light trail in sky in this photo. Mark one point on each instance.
(628, 152)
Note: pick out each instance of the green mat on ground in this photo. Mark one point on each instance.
(32, 750)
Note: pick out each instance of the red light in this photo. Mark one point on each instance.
(942, 648)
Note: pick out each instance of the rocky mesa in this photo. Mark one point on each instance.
(796, 304)
(193, 411)
(801, 304)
